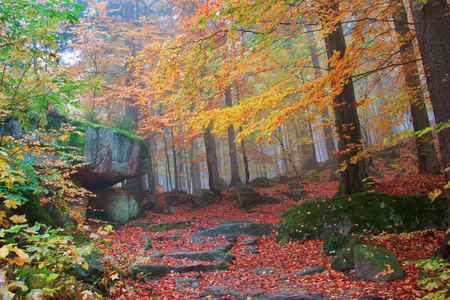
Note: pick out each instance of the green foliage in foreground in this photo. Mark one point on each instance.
(435, 279)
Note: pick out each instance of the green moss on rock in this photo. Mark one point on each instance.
(335, 244)
(376, 264)
(323, 218)
(206, 198)
(36, 213)
(345, 260)
(261, 182)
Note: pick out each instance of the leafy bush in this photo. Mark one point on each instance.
(436, 278)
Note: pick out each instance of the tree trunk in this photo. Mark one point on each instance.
(175, 164)
(168, 163)
(426, 153)
(347, 123)
(331, 150)
(195, 168)
(151, 178)
(245, 160)
(211, 163)
(232, 145)
(327, 130)
(432, 23)
(135, 185)
(130, 110)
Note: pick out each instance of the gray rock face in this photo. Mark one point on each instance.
(376, 264)
(114, 206)
(112, 157)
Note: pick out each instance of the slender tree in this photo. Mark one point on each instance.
(232, 144)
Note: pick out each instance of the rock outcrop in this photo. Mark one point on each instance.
(323, 218)
(110, 205)
(248, 197)
(111, 155)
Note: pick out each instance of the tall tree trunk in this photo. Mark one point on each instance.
(195, 168)
(428, 162)
(331, 150)
(347, 122)
(151, 178)
(245, 160)
(232, 145)
(168, 163)
(187, 172)
(134, 185)
(211, 163)
(432, 23)
(327, 130)
(175, 164)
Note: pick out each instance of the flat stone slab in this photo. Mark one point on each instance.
(199, 267)
(244, 228)
(207, 255)
(309, 271)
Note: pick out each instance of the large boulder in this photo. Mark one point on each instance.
(248, 197)
(323, 218)
(110, 155)
(376, 264)
(112, 206)
(263, 182)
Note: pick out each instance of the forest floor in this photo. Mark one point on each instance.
(127, 244)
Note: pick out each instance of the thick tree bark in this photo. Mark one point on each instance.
(232, 145)
(432, 23)
(328, 130)
(347, 123)
(426, 153)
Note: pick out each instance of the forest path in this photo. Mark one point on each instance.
(262, 269)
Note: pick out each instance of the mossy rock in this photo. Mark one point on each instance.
(263, 182)
(280, 179)
(358, 213)
(149, 270)
(376, 264)
(206, 198)
(345, 260)
(335, 244)
(35, 212)
(94, 271)
(247, 196)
